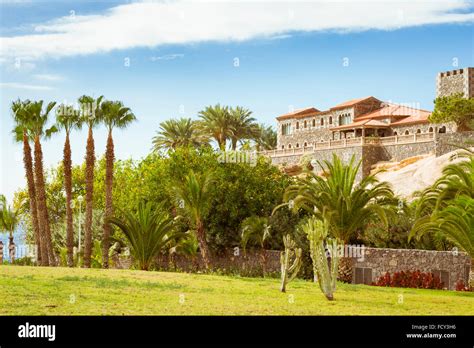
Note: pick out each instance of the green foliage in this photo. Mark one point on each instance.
(182, 132)
(255, 231)
(147, 232)
(290, 260)
(455, 109)
(324, 253)
(9, 218)
(336, 198)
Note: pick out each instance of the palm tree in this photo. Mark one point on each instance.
(342, 204)
(194, 197)
(178, 133)
(243, 125)
(90, 115)
(8, 217)
(114, 115)
(22, 134)
(454, 221)
(256, 230)
(266, 138)
(37, 125)
(147, 232)
(68, 119)
(216, 122)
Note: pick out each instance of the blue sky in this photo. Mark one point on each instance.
(293, 57)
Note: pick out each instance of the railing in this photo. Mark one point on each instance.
(332, 144)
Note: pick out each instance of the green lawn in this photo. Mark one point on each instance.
(62, 291)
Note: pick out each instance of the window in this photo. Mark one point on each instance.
(362, 275)
(430, 130)
(330, 119)
(314, 122)
(442, 129)
(283, 147)
(289, 146)
(322, 121)
(305, 144)
(297, 145)
(418, 131)
(395, 133)
(305, 125)
(286, 129)
(297, 125)
(407, 132)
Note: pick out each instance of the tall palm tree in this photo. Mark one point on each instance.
(344, 205)
(194, 197)
(256, 230)
(216, 122)
(243, 125)
(182, 132)
(38, 128)
(68, 118)
(22, 134)
(266, 138)
(114, 115)
(147, 232)
(90, 115)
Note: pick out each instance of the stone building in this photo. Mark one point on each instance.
(456, 81)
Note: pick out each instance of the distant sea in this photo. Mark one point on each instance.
(18, 238)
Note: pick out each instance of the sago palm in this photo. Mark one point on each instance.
(90, 115)
(114, 115)
(38, 127)
(68, 119)
(216, 123)
(343, 204)
(23, 135)
(147, 232)
(193, 195)
(174, 133)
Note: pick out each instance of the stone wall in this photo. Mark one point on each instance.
(456, 81)
(445, 143)
(451, 266)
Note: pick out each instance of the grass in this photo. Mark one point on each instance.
(62, 291)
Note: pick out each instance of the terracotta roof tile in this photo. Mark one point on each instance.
(299, 113)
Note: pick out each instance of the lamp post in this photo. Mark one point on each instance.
(80, 199)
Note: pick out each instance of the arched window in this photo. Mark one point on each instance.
(305, 125)
(314, 122)
(407, 132)
(395, 133)
(330, 119)
(289, 146)
(418, 131)
(430, 130)
(322, 121)
(305, 144)
(442, 129)
(297, 125)
(297, 145)
(283, 147)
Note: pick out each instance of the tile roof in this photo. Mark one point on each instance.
(362, 124)
(299, 113)
(353, 102)
(391, 109)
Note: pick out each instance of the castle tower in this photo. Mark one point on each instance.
(455, 81)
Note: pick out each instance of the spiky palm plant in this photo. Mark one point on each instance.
(242, 125)
(147, 232)
(23, 135)
(266, 138)
(343, 203)
(114, 115)
(182, 132)
(90, 115)
(68, 119)
(216, 122)
(9, 218)
(256, 230)
(193, 195)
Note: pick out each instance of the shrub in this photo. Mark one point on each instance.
(410, 279)
(461, 286)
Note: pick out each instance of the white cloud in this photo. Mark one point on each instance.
(167, 57)
(48, 77)
(17, 85)
(150, 24)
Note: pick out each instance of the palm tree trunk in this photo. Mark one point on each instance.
(201, 236)
(67, 162)
(30, 179)
(43, 217)
(234, 144)
(90, 163)
(109, 179)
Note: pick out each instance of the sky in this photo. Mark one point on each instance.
(169, 59)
